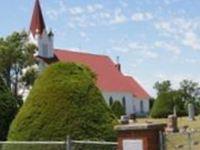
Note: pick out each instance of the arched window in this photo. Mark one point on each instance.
(141, 106)
(124, 103)
(110, 101)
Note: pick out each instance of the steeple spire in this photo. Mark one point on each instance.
(38, 35)
(37, 22)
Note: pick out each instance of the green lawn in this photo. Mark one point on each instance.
(182, 121)
(178, 139)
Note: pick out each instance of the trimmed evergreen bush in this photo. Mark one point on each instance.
(8, 109)
(63, 101)
(117, 109)
(3, 87)
(164, 104)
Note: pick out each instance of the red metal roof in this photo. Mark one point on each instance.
(109, 79)
(37, 21)
(137, 89)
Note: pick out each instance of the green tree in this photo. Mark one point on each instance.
(151, 103)
(15, 55)
(165, 102)
(8, 109)
(190, 93)
(64, 101)
(3, 87)
(117, 109)
(162, 87)
(190, 90)
(29, 77)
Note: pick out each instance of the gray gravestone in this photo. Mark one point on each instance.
(191, 113)
(172, 124)
(174, 111)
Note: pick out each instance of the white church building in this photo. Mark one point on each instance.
(114, 85)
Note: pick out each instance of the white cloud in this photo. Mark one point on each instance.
(76, 10)
(87, 15)
(171, 47)
(142, 16)
(136, 62)
(55, 13)
(123, 3)
(137, 46)
(150, 54)
(164, 26)
(119, 17)
(88, 9)
(104, 15)
(71, 25)
(181, 30)
(191, 61)
(174, 27)
(127, 47)
(192, 40)
(168, 2)
(84, 36)
(94, 8)
(143, 49)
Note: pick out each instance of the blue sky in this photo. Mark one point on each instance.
(155, 39)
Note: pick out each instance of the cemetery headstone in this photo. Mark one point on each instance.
(174, 111)
(133, 117)
(172, 124)
(183, 129)
(191, 112)
(124, 119)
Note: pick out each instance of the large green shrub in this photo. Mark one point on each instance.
(64, 101)
(3, 87)
(8, 109)
(118, 109)
(165, 102)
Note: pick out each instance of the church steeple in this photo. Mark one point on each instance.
(37, 21)
(39, 36)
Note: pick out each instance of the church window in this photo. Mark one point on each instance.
(124, 103)
(141, 106)
(110, 101)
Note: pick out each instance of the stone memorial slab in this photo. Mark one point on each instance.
(172, 124)
(191, 112)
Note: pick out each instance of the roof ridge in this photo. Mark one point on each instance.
(86, 53)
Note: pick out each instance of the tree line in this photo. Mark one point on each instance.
(168, 98)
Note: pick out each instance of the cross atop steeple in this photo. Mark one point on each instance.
(37, 22)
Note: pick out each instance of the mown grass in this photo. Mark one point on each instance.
(180, 140)
(182, 121)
